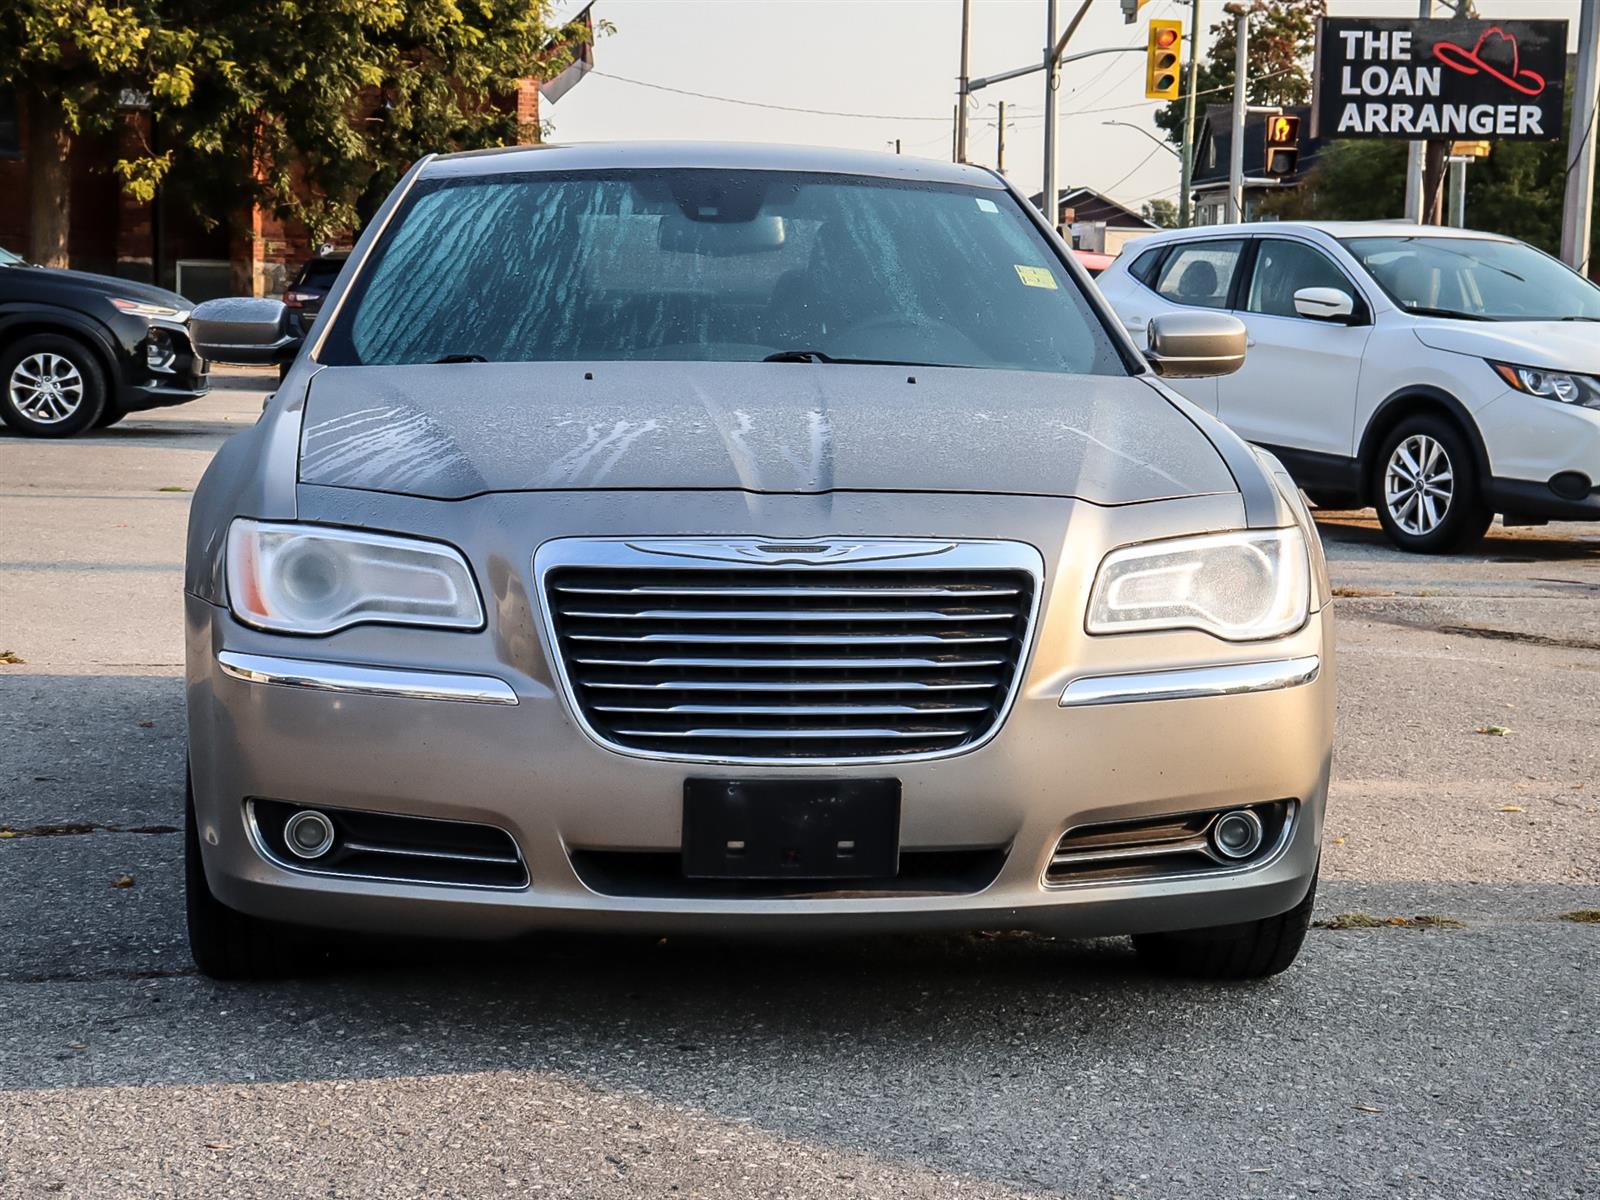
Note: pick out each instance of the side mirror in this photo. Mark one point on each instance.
(1193, 345)
(244, 329)
(1324, 304)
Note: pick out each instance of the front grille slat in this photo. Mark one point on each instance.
(751, 662)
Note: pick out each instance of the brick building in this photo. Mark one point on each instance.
(162, 241)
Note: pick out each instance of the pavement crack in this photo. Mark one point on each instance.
(78, 828)
(1483, 631)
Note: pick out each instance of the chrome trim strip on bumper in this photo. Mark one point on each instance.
(1233, 679)
(352, 679)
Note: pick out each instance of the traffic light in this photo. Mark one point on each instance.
(1283, 145)
(1161, 60)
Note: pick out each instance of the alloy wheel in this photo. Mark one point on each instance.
(1418, 484)
(46, 388)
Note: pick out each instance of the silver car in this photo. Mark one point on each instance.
(698, 537)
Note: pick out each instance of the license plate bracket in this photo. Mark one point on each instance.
(791, 828)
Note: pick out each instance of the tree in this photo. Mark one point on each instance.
(308, 109)
(1161, 213)
(1282, 40)
(67, 61)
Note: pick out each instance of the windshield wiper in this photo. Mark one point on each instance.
(818, 356)
(1422, 310)
(1578, 317)
(461, 358)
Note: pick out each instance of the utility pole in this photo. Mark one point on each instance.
(1186, 174)
(962, 91)
(1241, 88)
(1579, 203)
(1416, 151)
(1052, 75)
(1000, 140)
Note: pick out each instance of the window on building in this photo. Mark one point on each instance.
(10, 133)
(1200, 273)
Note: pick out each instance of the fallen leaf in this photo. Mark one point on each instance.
(219, 1145)
(1494, 730)
(1512, 808)
(172, 489)
(122, 881)
(1338, 841)
(1583, 916)
(1367, 1108)
(11, 658)
(76, 1046)
(147, 724)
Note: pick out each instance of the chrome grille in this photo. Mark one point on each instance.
(791, 662)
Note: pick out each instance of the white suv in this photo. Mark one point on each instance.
(1440, 374)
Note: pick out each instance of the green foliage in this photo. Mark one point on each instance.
(309, 107)
(1162, 213)
(1282, 39)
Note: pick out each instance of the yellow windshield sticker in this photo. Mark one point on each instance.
(1035, 277)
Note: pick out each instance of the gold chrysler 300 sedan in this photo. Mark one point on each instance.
(697, 537)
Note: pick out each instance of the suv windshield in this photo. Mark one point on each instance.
(717, 265)
(1476, 278)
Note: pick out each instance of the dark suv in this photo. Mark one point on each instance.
(80, 351)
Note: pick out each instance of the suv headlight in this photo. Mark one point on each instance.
(1552, 385)
(317, 579)
(1241, 587)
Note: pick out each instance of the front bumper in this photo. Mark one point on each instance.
(1538, 450)
(528, 768)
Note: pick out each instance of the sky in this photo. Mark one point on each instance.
(895, 63)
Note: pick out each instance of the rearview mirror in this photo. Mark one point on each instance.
(243, 329)
(721, 239)
(1324, 304)
(1193, 345)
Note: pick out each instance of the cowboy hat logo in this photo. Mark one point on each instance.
(1494, 54)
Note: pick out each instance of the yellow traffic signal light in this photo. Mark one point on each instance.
(1283, 145)
(1161, 60)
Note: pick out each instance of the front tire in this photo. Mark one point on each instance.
(1249, 950)
(1427, 488)
(50, 386)
(226, 944)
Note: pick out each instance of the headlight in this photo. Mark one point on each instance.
(1552, 385)
(311, 579)
(1238, 586)
(143, 308)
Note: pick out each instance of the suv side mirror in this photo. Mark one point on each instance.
(1324, 304)
(256, 331)
(1193, 345)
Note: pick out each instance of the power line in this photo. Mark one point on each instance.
(815, 112)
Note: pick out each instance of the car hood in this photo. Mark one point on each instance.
(1556, 345)
(108, 285)
(456, 430)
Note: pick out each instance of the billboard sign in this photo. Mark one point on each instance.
(1418, 79)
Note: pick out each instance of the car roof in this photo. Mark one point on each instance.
(598, 156)
(1333, 229)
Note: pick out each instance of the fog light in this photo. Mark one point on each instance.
(1570, 485)
(1237, 834)
(159, 353)
(308, 834)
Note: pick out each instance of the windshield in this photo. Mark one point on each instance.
(8, 259)
(1476, 278)
(717, 265)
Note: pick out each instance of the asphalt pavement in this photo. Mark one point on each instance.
(1455, 1056)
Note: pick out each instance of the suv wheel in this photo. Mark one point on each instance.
(226, 944)
(1429, 497)
(50, 386)
(1249, 950)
